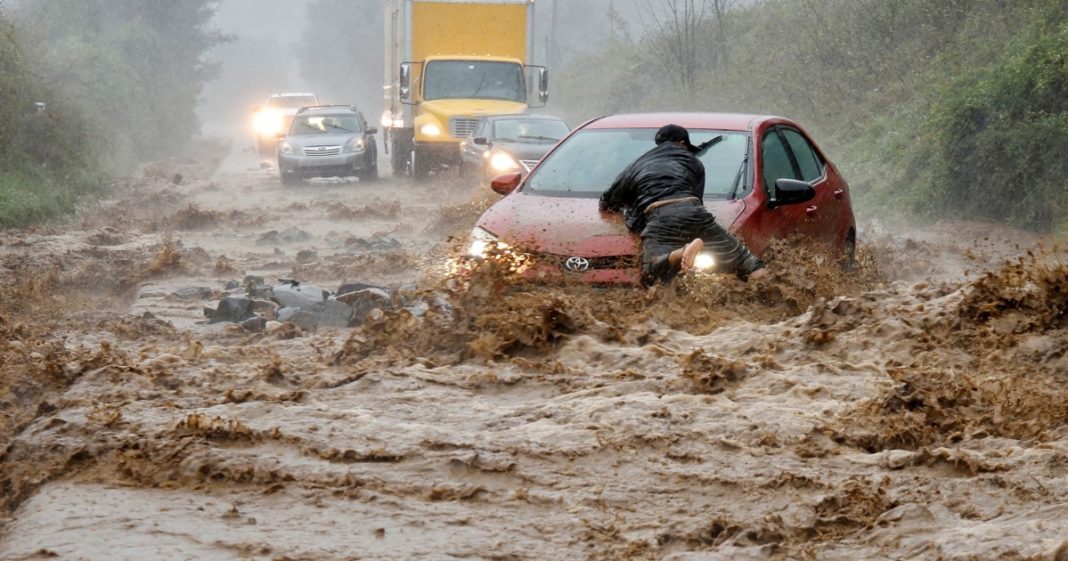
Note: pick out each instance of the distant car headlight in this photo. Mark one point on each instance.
(287, 148)
(430, 129)
(267, 123)
(387, 119)
(503, 162)
(704, 261)
(355, 145)
(481, 241)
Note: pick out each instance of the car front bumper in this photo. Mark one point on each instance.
(341, 165)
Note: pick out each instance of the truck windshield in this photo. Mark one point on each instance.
(472, 79)
(588, 162)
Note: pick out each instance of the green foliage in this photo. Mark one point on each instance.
(887, 87)
(46, 158)
(1000, 140)
(133, 68)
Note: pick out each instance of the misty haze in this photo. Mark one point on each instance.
(533, 279)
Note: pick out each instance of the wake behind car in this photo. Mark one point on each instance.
(503, 143)
(328, 141)
(275, 116)
(765, 179)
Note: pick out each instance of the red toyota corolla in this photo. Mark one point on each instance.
(765, 180)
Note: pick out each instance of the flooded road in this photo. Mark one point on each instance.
(916, 409)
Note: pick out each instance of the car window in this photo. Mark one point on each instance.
(775, 162)
(807, 160)
(589, 161)
(324, 124)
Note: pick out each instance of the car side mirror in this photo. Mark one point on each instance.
(791, 192)
(481, 141)
(372, 130)
(505, 184)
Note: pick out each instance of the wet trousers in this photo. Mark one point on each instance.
(673, 226)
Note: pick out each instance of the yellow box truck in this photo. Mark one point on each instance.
(448, 63)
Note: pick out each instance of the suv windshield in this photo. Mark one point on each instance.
(324, 124)
(535, 131)
(590, 160)
(470, 79)
(291, 101)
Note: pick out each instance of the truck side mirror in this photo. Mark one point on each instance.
(405, 82)
(543, 85)
(481, 141)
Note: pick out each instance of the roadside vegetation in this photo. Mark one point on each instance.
(933, 109)
(120, 81)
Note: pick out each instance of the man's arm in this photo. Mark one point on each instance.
(619, 194)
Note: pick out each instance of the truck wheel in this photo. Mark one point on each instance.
(420, 165)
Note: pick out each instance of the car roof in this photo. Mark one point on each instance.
(717, 121)
(292, 94)
(318, 109)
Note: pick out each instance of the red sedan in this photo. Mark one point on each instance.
(764, 180)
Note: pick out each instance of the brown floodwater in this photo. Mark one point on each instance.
(915, 408)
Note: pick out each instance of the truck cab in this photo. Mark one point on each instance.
(448, 64)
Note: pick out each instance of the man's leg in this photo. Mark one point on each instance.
(730, 253)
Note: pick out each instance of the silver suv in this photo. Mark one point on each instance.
(328, 141)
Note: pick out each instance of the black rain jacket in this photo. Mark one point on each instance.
(668, 171)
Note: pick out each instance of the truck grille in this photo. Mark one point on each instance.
(322, 150)
(461, 127)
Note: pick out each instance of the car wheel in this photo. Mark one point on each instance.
(369, 174)
(849, 257)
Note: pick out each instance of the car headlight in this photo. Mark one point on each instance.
(481, 240)
(430, 129)
(267, 123)
(387, 119)
(355, 145)
(503, 162)
(704, 261)
(287, 148)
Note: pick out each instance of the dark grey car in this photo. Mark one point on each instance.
(505, 143)
(328, 141)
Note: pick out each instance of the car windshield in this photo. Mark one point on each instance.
(464, 79)
(534, 131)
(590, 160)
(291, 101)
(324, 124)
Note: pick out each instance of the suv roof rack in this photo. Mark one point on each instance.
(350, 107)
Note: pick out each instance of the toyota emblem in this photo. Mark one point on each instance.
(577, 264)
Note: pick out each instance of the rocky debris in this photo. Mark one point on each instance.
(363, 301)
(255, 287)
(307, 256)
(375, 243)
(297, 295)
(255, 324)
(268, 309)
(287, 236)
(233, 309)
(193, 293)
(107, 236)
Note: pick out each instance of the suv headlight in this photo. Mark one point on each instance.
(481, 240)
(355, 145)
(503, 162)
(287, 148)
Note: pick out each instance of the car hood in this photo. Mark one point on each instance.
(320, 139)
(524, 150)
(572, 225)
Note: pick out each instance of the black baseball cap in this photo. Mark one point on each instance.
(674, 133)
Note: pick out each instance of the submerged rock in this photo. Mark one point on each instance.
(193, 293)
(233, 309)
(297, 295)
(255, 324)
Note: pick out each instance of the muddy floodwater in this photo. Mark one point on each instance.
(914, 409)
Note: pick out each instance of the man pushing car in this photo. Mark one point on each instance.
(661, 195)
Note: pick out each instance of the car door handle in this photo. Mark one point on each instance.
(811, 210)
(838, 193)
